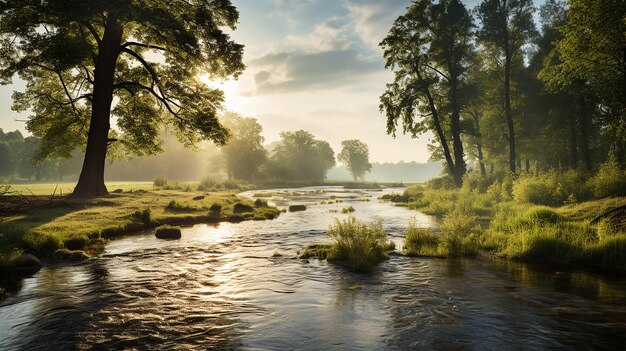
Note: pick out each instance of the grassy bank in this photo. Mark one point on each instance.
(547, 218)
(48, 226)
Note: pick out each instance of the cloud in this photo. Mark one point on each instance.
(330, 35)
(297, 71)
(372, 19)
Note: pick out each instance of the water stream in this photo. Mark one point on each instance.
(220, 287)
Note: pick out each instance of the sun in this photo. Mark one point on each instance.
(234, 99)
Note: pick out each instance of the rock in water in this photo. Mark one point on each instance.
(27, 265)
(296, 208)
(168, 233)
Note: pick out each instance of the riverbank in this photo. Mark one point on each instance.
(60, 227)
(587, 234)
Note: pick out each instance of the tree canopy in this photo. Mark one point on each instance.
(430, 49)
(244, 151)
(75, 56)
(355, 155)
(299, 156)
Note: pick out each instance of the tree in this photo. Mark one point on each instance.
(589, 62)
(76, 56)
(355, 155)
(430, 50)
(244, 151)
(507, 25)
(299, 156)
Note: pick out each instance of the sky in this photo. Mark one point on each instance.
(313, 65)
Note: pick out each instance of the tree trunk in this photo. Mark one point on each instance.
(91, 181)
(573, 144)
(527, 165)
(459, 163)
(439, 131)
(507, 105)
(584, 133)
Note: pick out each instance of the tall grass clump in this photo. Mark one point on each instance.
(459, 235)
(420, 241)
(359, 245)
(610, 180)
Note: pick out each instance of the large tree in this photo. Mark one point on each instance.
(244, 151)
(77, 56)
(355, 155)
(299, 156)
(507, 25)
(589, 63)
(430, 50)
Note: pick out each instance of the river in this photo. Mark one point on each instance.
(220, 287)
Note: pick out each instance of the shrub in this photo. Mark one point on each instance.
(260, 203)
(240, 208)
(159, 182)
(420, 241)
(75, 242)
(144, 216)
(215, 208)
(359, 245)
(610, 180)
(544, 189)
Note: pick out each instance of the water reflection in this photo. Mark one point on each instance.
(220, 288)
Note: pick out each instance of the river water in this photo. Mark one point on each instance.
(220, 288)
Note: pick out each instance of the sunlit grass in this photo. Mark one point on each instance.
(84, 224)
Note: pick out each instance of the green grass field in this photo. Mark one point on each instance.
(65, 188)
(59, 227)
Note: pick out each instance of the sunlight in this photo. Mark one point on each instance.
(234, 100)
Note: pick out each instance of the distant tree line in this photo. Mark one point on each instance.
(297, 156)
(497, 92)
(18, 152)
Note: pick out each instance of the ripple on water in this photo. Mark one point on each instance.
(219, 288)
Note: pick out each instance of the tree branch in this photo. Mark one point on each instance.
(147, 46)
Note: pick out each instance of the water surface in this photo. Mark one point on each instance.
(220, 288)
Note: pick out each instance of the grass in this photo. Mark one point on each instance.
(562, 236)
(458, 238)
(545, 218)
(358, 245)
(84, 224)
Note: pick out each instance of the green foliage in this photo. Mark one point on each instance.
(41, 244)
(359, 245)
(299, 156)
(215, 208)
(244, 151)
(459, 235)
(355, 155)
(144, 216)
(160, 182)
(551, 188)
(241, 208)
(429, 50)
(610, 180)
(260, 203)
(420, 241)
(157, 58)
